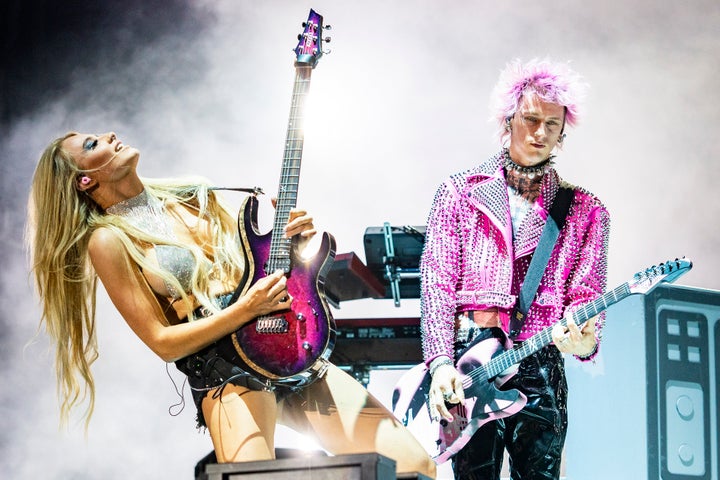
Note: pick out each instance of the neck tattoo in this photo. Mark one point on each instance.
(526, 181)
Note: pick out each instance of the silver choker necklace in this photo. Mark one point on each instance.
(144, 212)
(529, 172)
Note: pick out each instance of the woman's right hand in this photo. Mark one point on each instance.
(267, 295)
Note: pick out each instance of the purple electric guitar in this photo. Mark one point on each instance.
(489, 363)
(291, 345)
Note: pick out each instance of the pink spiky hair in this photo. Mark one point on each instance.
(548, 81)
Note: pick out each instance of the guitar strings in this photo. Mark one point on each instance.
(510, 357)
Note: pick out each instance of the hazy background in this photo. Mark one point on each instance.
(203, 87)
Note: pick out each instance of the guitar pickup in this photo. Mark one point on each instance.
(276, 324)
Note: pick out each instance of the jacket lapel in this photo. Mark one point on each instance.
(487, 191)
(532, 226)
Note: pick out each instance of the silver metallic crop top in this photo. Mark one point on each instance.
(147, 213)
(180, 262)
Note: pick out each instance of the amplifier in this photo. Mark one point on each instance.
(648, 408)
(682, 361)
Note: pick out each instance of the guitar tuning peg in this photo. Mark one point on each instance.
(328, 27)
(299, 36)
(304, 24)
(327, 39)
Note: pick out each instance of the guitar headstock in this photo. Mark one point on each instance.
(309, 48)
(668, 272)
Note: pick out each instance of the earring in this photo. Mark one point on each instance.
(561, 138)
(507, 124)
(85, 180)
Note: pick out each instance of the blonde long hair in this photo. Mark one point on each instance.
(60, 222)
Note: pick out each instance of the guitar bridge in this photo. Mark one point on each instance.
(276, 324)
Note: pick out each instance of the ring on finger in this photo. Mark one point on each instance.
(447, 395)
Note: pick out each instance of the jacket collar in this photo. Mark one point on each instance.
(486, 189)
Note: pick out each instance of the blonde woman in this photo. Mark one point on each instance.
(163, 250)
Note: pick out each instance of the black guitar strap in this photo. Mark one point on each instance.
(553, 225)
(253, 190)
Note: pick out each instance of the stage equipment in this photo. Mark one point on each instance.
(363, 344)
(371, 466)
(350, 279)
(683, 334)
(650, 402)
(393, 256)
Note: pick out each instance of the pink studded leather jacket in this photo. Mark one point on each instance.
(471, 261)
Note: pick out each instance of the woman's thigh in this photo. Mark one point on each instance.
(345, 418)
(241, 423)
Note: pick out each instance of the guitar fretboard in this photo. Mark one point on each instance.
(279, 257)
(543, 338)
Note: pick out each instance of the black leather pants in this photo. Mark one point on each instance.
(534, 437)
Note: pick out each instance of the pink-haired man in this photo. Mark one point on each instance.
(483, 228)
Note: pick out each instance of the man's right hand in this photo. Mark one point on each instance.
(446, 387)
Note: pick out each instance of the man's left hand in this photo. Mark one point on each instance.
(573, 339)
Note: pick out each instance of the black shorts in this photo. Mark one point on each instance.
(206, 370)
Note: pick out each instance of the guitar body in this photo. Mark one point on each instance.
(291, 346)
(484, 400)
(284, 344)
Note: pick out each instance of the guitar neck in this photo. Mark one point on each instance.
(543, 338)
(279, 257)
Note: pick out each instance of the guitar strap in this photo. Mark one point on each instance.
(253, 190)
(538, 264)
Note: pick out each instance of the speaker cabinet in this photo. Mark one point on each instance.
(682, 337)
(350, 467)
(648, 407)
